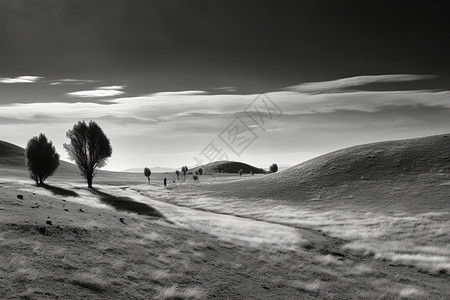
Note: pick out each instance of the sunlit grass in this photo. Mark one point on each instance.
(174, 292)
(410, 293)
(419, 240)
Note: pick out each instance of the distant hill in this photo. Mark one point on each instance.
(228, 167)
(414, 172)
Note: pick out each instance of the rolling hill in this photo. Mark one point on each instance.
(392, 174)
(12, 160)
(228, 167)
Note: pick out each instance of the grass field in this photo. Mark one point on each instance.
(126, 239)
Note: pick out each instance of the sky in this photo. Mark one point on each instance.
(177, 83)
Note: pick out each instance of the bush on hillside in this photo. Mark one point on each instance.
(41, 158)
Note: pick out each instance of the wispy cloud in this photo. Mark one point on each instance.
(226, 89)
(179, 93)
(103, 91)
(323, 86)
(111, 87)
(72, 81)
(169, 106)
(21, 79)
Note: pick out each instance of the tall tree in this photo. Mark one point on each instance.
(147, 174)
(41, 158)
(89, 148)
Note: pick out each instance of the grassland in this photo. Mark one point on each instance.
(225, 237)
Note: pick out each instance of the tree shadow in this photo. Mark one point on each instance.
(59, 191)
(127, 204)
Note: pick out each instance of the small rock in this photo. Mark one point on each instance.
(20, 197)
(121, 220)
(82, 210)
(66, 209)
(48, 222)
(41, 229)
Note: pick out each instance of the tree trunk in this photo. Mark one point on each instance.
(89, 180)
(148, 179)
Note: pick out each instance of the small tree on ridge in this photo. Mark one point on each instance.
(273, 168)
(184, 169)
(147, 174)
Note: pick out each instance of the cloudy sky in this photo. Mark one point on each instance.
(181, 82)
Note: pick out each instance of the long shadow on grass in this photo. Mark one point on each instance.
(59, 191)
(127, 204)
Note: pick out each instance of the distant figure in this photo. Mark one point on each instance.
(165, 181)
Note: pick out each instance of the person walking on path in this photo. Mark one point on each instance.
(165, 182)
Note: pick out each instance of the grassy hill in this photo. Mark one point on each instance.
(228, 167)
(12, 160)
(11, 155)
(391, 174)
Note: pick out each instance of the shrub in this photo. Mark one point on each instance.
(41, 158)
(273, 168)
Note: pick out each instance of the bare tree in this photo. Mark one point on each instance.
(89, 148)
(41, 158)
(147, 174)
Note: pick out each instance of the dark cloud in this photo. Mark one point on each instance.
(251, 45)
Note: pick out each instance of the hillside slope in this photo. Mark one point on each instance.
(394, 174)
(11, 155)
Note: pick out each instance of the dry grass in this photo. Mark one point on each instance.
(419, 240)
(411, 293)
(312, 286)
(93, 282)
